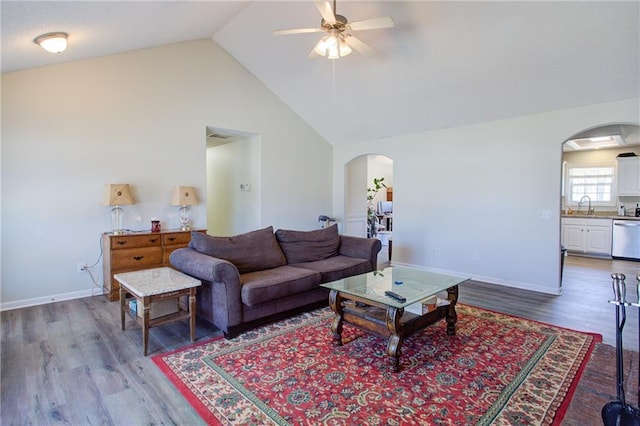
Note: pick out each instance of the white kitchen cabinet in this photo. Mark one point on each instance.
(629, 176)
(573, 235)
(587, 235)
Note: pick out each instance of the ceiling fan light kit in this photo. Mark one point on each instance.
(339, 42)
(333, 46)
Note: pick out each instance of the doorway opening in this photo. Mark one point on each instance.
(592, 188)
(360, 173)
(233, 181)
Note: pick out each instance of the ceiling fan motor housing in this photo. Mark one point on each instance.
(340, 24)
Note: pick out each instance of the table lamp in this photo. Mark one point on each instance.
(184, 196)
(117, 194)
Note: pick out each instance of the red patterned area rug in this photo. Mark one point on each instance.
(498, 369)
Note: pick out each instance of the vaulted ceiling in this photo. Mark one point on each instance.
(444, 64)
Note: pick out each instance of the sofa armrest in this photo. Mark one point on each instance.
(224, 278)
(203, 266)
(364, 248)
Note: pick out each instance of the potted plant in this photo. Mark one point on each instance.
(372, 219)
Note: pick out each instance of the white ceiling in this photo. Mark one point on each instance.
(444, 64)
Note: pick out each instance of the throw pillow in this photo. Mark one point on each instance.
(249, 252)
(309, 246)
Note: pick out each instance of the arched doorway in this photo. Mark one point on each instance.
(591, 186)
(359, 175)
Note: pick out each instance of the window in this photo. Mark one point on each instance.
(595, 181)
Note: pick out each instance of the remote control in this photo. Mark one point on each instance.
(396, 296)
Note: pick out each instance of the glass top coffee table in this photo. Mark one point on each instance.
(362, 301)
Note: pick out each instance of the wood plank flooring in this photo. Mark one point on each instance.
(69, 362)
(582, 306)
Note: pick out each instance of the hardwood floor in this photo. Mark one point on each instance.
(582, 306)
(69, 362)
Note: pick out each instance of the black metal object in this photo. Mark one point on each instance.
(563, 254)
(619, 413)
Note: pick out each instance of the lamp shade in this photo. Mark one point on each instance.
(184, 196)
(117, 194)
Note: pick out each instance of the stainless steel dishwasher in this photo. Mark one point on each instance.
(625, 241)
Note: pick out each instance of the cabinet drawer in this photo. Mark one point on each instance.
(133, 241)
(136, 258)
(573, 221)
(599, 222)
(176, 238)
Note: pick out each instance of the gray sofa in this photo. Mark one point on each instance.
(251, 278)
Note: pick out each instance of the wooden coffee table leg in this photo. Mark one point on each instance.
(336, 326)
(452, 316)
(395, 340)
(192, 313)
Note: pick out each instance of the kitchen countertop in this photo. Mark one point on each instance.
(602, 215)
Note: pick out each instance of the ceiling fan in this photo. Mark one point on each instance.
(339, 41)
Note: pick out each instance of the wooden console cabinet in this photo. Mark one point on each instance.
(136, 251)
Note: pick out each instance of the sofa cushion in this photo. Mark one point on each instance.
(337, 267)
(262, 286)
(309, 246)
(251, 251)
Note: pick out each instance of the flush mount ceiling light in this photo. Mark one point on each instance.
(600, 142)
(52, 42)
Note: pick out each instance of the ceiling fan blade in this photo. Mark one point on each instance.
(372, 24)
(358, 45)
(297, 31)
(326, 11)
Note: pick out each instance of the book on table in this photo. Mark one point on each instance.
(428, 305)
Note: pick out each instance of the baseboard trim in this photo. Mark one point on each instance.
(490, 280)
(25, 303)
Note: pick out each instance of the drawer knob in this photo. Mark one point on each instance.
(171, 238)
(121, 243)
(138, 257)
(153, 240)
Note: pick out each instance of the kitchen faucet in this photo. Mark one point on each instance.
(580, 203)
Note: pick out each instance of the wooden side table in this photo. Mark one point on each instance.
(158, 284)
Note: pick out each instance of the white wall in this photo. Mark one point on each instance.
(475, 194)
(355, 182)
(138, 118)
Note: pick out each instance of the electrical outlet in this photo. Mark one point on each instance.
(438, 251)
(81, 267)
(475, 257)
